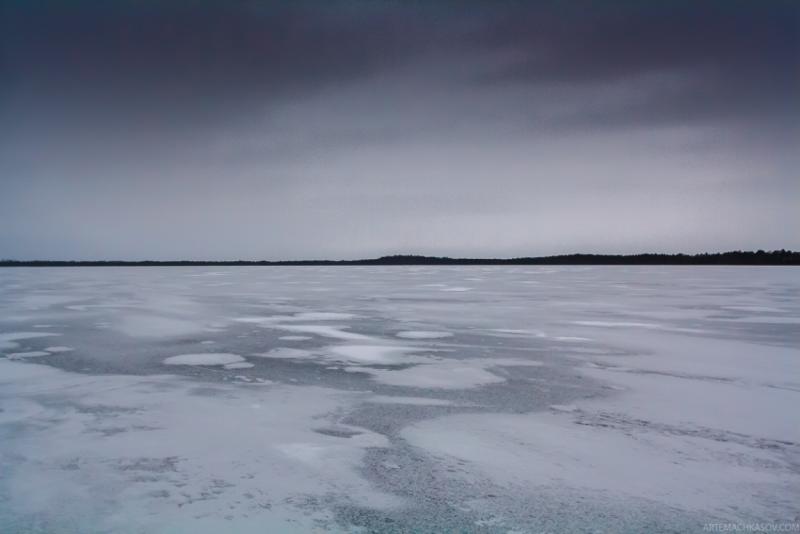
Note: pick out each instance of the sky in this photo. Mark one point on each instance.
(350, 129)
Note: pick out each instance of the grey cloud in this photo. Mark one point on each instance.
(341, 129)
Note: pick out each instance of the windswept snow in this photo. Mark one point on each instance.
(423, 334)
(436, 376)
(59, 348)
(414, 401)
(398, 399)
(239, 365)
(286, 353)
(209, 358)
(11, 340)
(538, 451)
(336, 332)
(158, 454)
(445, 374)
(322, 316)
(373, 354)
(31, 354)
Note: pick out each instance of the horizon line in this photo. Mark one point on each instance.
(734, 257)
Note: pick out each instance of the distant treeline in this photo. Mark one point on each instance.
(737, 257)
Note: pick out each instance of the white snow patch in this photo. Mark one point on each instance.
(257, 320)
(438, 373)
(374, 354)
(30, 354)
(444, 375)
(239, 365)
(519, 332)
(208, 358)
(59, 349)
(336, 332)
(294, 338)
(423, 334)
(617, 324)
(414, 401)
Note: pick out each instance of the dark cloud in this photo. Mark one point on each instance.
(580, 41)
(732, 59)
(200, 60)
(204, 61)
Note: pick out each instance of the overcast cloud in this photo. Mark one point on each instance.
(306, 130)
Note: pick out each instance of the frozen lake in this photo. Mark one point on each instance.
(398, 399)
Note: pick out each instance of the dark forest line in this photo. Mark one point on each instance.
(761, 257)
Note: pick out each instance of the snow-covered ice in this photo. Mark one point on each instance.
(336, 332)
(165, 454)
(10, 340)
(423, 334)
(418, 401)
(238, 365)
(208, 358)
(286, 353)
(398, 399)
(30, 354)
(58, 348)
(374, 354)
(690, 472)
(438, 376)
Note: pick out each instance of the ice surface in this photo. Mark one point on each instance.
(31, 354)
(423, 334)
(287, 353)
(58, 349)
(355, 354)
(445, 374)
(239, 365)
(689, 472)
(439, 376)
(163, 455)
(10, 340)
(398, 399)
(336, 332)
(149, 326)
(209, 358)
(373, 354)
(416, 401)
(322, 316)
